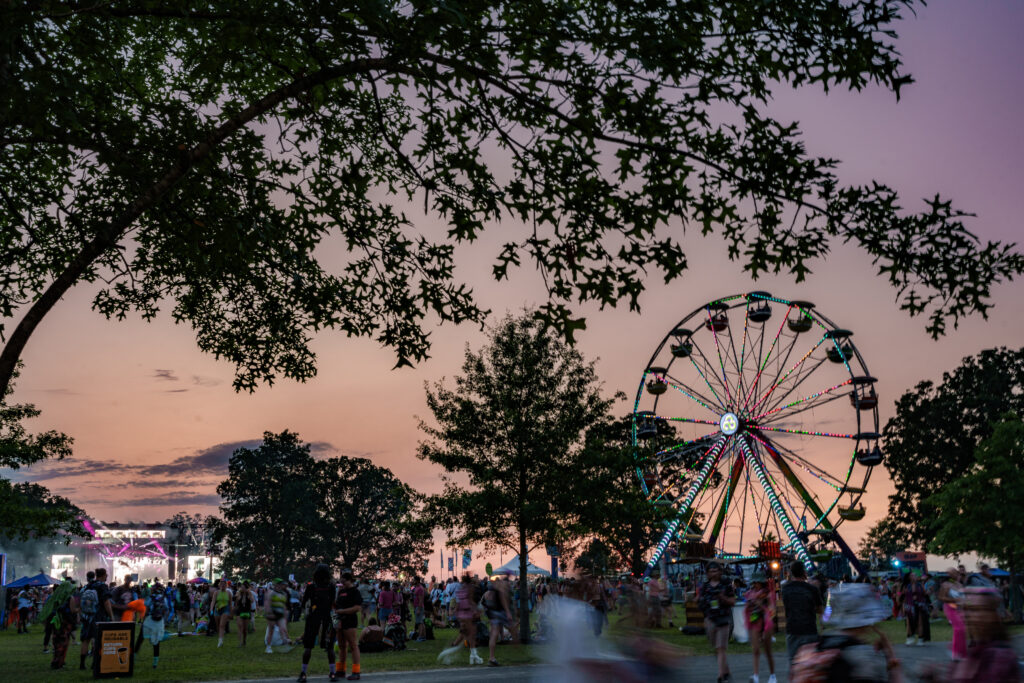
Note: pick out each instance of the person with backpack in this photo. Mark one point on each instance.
(182, 606)
(153, 625)
(716, 598)
(96, 607)
(846, 653)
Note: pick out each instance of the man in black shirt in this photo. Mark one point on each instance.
(347, 606)
(803, 605)
(319, 596)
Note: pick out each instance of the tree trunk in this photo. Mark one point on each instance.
(524, 591)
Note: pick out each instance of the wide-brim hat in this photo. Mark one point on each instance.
(855, 605)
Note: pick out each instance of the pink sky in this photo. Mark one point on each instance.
(136, 394)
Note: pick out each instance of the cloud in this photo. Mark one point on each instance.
(174, 391)
(205, 381)
(183, 498)
(165, 375)
(212, 460)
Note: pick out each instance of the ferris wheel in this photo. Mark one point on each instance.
(756, 421)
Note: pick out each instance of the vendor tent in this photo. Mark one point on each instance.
(513, 566)
(33, 581)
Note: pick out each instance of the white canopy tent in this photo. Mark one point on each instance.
(513, 566)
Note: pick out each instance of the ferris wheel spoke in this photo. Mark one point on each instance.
(680, 445)
(777, 507)
(696, 347)
(779, 382)
(811, 398)
(811, 406)
(718, 348)
(737, 362)
(763, 365)
(693, 394)
(801, 491)
(804, 432)
(801, 377)
(708, 463)
(686, 419)
(814, 470)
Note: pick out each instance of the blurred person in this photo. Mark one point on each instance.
(803, 603)
(319, 597)
(276, 612)
(419, 608)
(846, 653)
(654, 594)
(385, 602)
(182, 606)
(951, 594)
(466, 613)
(759, 613)
(25, 604)
(347, 606)
(716, 599)
(366, 594)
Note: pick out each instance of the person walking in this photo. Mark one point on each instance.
(385, 602)
(803, 604)
(497, 603)
(951, 594)
(319, 596)
(916, 610)
(245, 607)
(466, 613)
(419, 608)
(154, 624)
(759, 613)
(716, 599)
(220, 608)
(366, 595)
(182, 606)
(276, 612)
(347, 605)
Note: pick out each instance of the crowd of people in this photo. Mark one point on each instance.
(353, 615)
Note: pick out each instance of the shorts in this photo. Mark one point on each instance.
(418, 615)
(319, 629)
(222, 611)
(383, 615)
(88, 628)
(154, 630)
(497, 617)
(718, 636)
(245, 615)
(347, 622)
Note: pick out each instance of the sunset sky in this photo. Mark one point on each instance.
(155, 420)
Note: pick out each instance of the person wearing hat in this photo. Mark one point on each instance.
(760, 615)
(716, 598)
(845, 651)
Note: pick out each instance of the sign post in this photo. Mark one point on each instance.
(115, 657)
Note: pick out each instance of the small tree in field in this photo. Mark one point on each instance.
(509, 436)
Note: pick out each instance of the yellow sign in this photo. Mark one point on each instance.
(115, 648)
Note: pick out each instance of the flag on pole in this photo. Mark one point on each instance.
(451, 564)
(467, 556)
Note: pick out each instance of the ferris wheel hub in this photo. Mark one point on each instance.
(729, 424)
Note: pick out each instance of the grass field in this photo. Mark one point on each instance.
(195, 658)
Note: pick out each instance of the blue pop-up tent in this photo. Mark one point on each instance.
(33, 581)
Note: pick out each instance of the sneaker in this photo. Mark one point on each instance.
(352, 677)
(333, 677)
(910, 641)
(302, 677)
(493, 662)
(772, 679)
(754, 679)
(269, 650)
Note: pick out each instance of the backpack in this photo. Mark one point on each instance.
(158, 608)
(90, 601)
